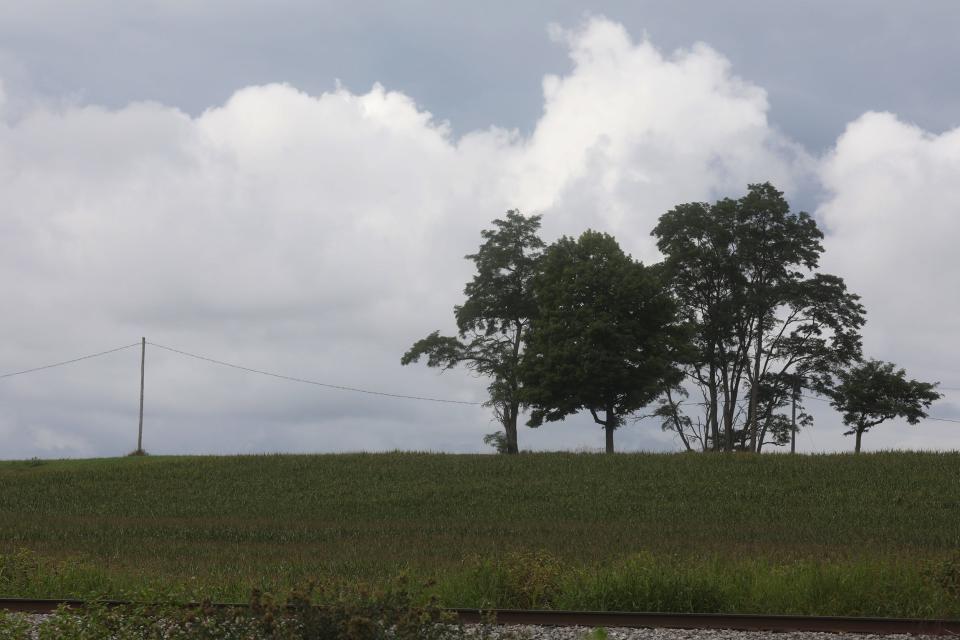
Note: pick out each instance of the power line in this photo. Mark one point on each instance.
(313, 382)
(820, 399)
(60, 364)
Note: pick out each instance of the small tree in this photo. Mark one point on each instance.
(494, 318)
(605, 337)
(874, 391)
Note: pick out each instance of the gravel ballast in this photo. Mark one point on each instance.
(530, 632)
(533, 632)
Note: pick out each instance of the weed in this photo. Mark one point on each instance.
(14, 626)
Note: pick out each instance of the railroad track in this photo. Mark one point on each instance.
(739, 622)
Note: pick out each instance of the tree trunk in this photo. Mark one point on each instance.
(728, 408)
(514, 408)
(612, 422)
(752, 420)
(676, 421)
(793, 420)
(766, 424)
(714, 409)
(857, 447)
(510, 427)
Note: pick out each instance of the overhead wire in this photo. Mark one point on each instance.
(65, 362)
(311, 382)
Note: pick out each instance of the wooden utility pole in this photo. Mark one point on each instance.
(793, 421)
(143, 361)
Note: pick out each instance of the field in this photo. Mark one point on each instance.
(875, 534)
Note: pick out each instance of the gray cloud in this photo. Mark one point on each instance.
(823, 63)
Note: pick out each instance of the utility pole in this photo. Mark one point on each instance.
(793, 420)
(143, 361)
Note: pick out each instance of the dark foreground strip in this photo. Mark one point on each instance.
(738, 622)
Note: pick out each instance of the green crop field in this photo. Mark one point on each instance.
(875, 534)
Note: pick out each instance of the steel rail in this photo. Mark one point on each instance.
(732, 621)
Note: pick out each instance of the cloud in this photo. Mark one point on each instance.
(320, 235)
(892, 223)
(631, 131)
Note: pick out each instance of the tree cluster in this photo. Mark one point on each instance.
(736, 317)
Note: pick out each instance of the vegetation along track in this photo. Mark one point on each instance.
(739, 622)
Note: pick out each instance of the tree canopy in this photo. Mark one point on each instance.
(606, 335)
(873, 392)
(493, 319)
(765, 321)
(723, 335)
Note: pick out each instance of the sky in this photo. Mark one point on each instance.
(292, 186)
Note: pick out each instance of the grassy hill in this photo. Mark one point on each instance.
(871, 534)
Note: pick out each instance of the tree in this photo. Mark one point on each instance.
(874, 391)
(765, 322)
(493, 320)
(605, 338)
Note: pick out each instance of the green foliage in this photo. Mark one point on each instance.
(493, 319)
(521, 580)
(499, 294)
(946, 574)
(497, 440)
(766, 322)
(14, 626)
(873, 392)
(606, 336)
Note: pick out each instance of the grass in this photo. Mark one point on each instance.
(874, 534)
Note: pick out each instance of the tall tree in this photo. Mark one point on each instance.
(495, 317)
(605, 338)
(744, 272)
(873, 392)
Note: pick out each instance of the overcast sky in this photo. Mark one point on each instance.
(292, 186)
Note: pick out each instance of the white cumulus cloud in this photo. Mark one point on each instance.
(892, 218)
